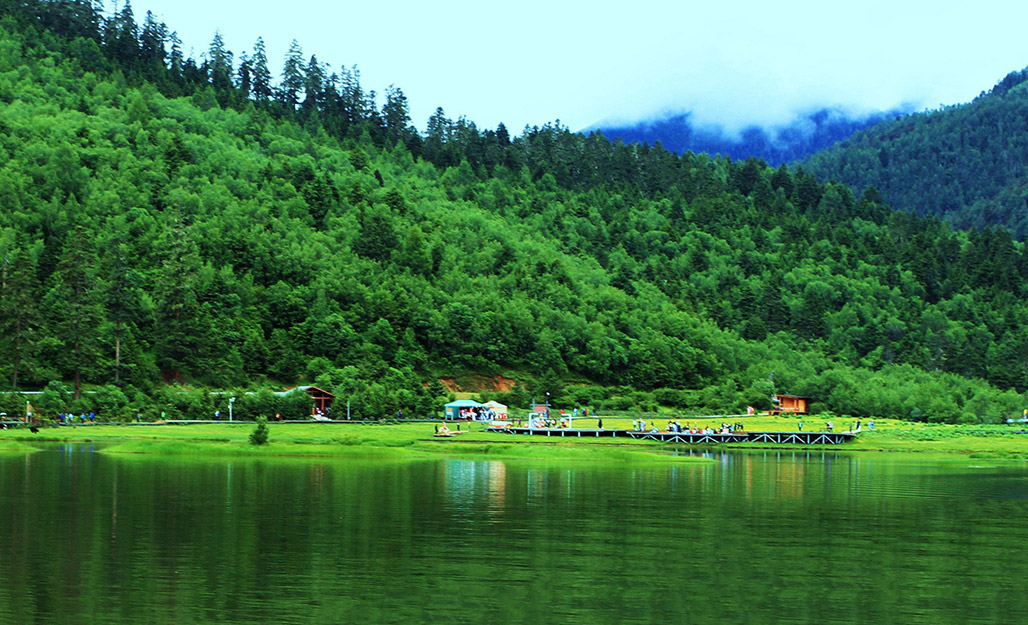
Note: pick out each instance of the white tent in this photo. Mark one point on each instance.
(498, 409)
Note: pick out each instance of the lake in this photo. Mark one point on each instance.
(764, 537)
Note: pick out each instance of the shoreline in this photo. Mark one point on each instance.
(375, 439)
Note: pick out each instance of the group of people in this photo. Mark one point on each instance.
(546, 422)
(676, 427)
(830, 427)
(724, 428)
(68, 418)
(477, 413)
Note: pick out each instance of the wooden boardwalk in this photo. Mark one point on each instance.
(778, 438)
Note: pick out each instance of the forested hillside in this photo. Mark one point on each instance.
(965, 164)
(166, 225)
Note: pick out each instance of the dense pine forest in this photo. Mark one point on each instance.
(172, 226)
(964, 164)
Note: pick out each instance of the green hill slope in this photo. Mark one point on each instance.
(158, 226)
(964, 164)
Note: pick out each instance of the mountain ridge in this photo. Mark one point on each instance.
(167, 224)
(964, 163)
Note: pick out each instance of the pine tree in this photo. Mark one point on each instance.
(396, 116)
(176, 61)
(122, 295)
(178, 332)
(259, 436)
(219, 63)
(377, 236)
(437, 134)
(351, 98)
(75, 312)
(293, 79)
(261, 75)
(121, 35)
(18, 310)
(782, 179)
(315, 79)
(71, 18)
(244, 77)
(151, 46)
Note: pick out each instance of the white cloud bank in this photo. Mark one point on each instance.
(732, 63)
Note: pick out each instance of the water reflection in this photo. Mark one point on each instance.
(806, 537)
(473, 486)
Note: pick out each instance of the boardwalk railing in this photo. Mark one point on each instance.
(796, 438)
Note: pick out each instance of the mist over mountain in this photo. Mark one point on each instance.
(785, 143)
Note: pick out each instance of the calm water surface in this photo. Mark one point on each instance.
(753, 538)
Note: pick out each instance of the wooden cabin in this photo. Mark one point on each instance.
(790, 404)
(322, 398)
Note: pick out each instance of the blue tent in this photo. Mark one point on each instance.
(454, 407)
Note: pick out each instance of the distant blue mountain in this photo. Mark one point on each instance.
(780, 144)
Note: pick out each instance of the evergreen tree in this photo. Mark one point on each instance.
(293, 79)
(244, 76)
(18, 310)
(262, 89)
(151, 47)
(176, 61)
(259, 436)
(75, 311)
(396, 116)
(121, 35)
(377, 235)
(219, 63)
(314, 85)
(178, 333)
(123, 298)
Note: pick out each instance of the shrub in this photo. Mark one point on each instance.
(55, 398)
(110, 403)
(620, 403)
(259, 436)
(671, 397)
(586, 395)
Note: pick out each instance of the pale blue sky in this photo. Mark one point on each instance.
(729, 61)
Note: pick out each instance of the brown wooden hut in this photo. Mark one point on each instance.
(322, 398)
(790, 404)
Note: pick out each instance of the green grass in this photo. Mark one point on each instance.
(245, 449)
(416, 440)
(14, 447)
(347, 440)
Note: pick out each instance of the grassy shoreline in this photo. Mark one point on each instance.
(15, 447)
(415, 440)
